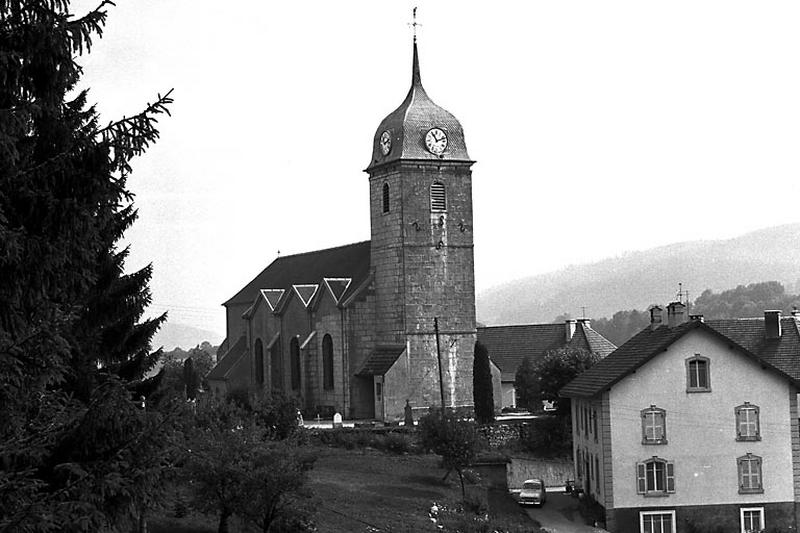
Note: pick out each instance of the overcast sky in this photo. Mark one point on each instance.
(597, 127)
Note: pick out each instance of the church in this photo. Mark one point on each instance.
(360, 329)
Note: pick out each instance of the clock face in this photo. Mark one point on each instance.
(436, 141)
(385, 142)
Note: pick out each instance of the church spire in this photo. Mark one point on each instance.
(416, 79)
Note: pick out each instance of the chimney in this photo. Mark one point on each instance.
(585, 322)
(796, 313)
(676, 314)
(696, 318)
(772, 324)
(570, 325)
(656, 314)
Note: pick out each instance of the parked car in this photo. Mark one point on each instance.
(533, 492)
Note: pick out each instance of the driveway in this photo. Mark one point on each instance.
(560, 515)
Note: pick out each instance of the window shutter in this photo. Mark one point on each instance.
(670, 477)
(438, 197)
(740, 468)
(738, 411)
(641, 482)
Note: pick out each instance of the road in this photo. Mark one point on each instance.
(560, 515)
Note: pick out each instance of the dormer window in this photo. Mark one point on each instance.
(438, 197)
(385, 198)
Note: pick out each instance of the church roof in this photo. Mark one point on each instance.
(782, 354)
(408, 125)
(381, 360)
(509, 345)
(229, 360)
(350, 261)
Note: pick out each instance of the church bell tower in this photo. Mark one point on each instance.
(420, 182)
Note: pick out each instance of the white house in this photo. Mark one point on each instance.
(693, 422)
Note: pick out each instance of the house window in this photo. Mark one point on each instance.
(750, 474)
(654, 425)
(385, 197)
(655, 477)
(327, 362)
(752, 519)
(294, 355)
(657, 522)
(747, 422)
(259, 362)
(698, 378)
(438, 197)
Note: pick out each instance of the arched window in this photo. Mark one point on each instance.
(327, 362)
(438, 197)
(385, 197)
(275, 365)
(294, 354)
(259, 363)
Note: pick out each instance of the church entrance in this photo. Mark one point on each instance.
(378, 382)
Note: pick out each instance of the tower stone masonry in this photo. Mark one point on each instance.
(422, 244)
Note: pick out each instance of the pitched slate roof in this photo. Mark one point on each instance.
(381, 360)
(350, 261)
(783, 355)
(509, 345)
(229, 360)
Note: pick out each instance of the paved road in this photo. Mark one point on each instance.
(560, 515)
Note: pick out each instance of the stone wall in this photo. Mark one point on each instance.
(553, 472)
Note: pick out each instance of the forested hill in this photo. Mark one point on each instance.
(742, 302)
(638, 279)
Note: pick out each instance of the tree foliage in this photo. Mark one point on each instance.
(450, 437)
(526, 385)
(556, 369)
(482, 391)
(236, 465)
(745, 301)
(76, 453)
(622, 325)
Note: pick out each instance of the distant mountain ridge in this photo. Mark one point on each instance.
(637, 279)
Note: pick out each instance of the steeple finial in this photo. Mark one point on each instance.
(416, 79)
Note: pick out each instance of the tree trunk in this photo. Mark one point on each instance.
(223, 521)
(141, 526)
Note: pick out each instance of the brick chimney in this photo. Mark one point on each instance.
(569, 328)
(772, 324)
(656, 316)
(676, 314)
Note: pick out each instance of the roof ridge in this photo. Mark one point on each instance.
(322, 250)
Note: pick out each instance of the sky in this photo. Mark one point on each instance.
(597, 127)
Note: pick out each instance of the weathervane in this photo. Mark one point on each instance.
(414, 22)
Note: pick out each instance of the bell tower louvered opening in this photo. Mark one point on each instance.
(438, 197)
(385, 197)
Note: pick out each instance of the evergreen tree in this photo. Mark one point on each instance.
(76, 452)
(526, 385)
(482, 392)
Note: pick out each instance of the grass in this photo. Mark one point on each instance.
(370, 491)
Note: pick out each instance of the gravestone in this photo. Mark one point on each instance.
(337, 420)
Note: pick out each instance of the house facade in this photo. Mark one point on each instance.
(364, 328)
(693, 422)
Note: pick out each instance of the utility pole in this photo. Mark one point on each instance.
(439, 359)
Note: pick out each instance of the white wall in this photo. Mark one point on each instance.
(701, 428)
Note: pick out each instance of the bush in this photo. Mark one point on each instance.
(547, 437)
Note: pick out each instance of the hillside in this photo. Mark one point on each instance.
(637, 279)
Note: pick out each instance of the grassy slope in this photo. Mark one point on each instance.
(356, 490)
